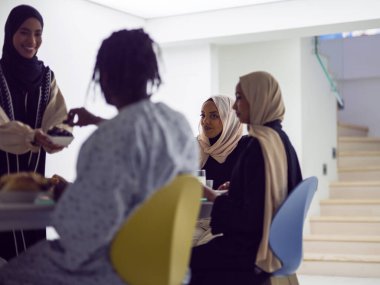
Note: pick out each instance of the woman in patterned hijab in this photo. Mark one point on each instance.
(30, 104)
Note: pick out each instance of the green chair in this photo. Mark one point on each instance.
(153, 246)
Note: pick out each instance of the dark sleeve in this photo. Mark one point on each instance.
(242, 209)
(222, 172)
(294, 169)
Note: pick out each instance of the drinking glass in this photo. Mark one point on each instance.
(201, 175)
(210, 183)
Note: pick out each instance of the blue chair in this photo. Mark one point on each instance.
(285, 238)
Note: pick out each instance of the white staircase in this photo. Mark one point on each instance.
(345, 239)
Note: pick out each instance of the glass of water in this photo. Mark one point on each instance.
(201, 175)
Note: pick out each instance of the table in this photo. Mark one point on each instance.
(205, 210)
(31, 216)
(24, 216)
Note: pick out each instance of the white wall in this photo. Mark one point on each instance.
(354, 63)
(270, 21)
(361, 57)
(362, 101)
(318, 123)
(73, 33)
(361, 82)
(187, 75)
(282, 60)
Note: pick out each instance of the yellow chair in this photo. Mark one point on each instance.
(153, 246)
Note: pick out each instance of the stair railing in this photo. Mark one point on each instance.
(331, 81)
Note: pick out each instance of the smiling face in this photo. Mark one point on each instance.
(28, 38)
(210, 120)
(241, 105)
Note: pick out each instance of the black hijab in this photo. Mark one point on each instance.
(28, 73)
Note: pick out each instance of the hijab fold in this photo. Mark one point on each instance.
(228, 139)
(265, 102)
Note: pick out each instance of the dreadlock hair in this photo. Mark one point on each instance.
(129, 60)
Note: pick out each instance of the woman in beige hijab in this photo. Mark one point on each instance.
(220, 143)
(268, 169)
(220, 138)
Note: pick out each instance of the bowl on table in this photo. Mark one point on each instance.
(60, 136)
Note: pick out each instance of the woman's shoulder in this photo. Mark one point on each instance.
(244, 142)
(47, 69)
(247, 145)
(250, 145)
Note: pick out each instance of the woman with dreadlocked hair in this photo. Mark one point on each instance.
(121, 164)
(30, 104)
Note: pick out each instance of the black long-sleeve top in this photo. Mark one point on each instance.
(242, 210)
(221, 172)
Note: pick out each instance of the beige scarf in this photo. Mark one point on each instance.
(231, 133)
(264, 96)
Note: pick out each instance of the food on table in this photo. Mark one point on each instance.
(25, 182)
(58, 132)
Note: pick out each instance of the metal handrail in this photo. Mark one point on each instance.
(332, 83)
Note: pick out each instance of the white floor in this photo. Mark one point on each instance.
(333, 280)
(302, 279)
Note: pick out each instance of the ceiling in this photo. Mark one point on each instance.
(164, 8)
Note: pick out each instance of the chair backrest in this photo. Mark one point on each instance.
(285, 238)
(154, 244)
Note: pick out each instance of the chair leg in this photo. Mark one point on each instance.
(283, 280)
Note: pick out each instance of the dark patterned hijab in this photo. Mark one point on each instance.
(28, 73)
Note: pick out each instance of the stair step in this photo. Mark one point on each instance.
(355, 190)
(345, 225)
(342, 244)
(358, 143)
(352, 130)
(340, 265)
(358, 158)
(359, 173)
(345, 239)
(350, 207)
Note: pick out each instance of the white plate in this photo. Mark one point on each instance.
(61, 140)
(18, 197)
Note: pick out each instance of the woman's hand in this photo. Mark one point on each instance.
(60, 184)
(224, 186)
(41, 139)
(81, 117)
(211, 194)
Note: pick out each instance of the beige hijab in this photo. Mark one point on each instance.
(265, 102)
(231, 133)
